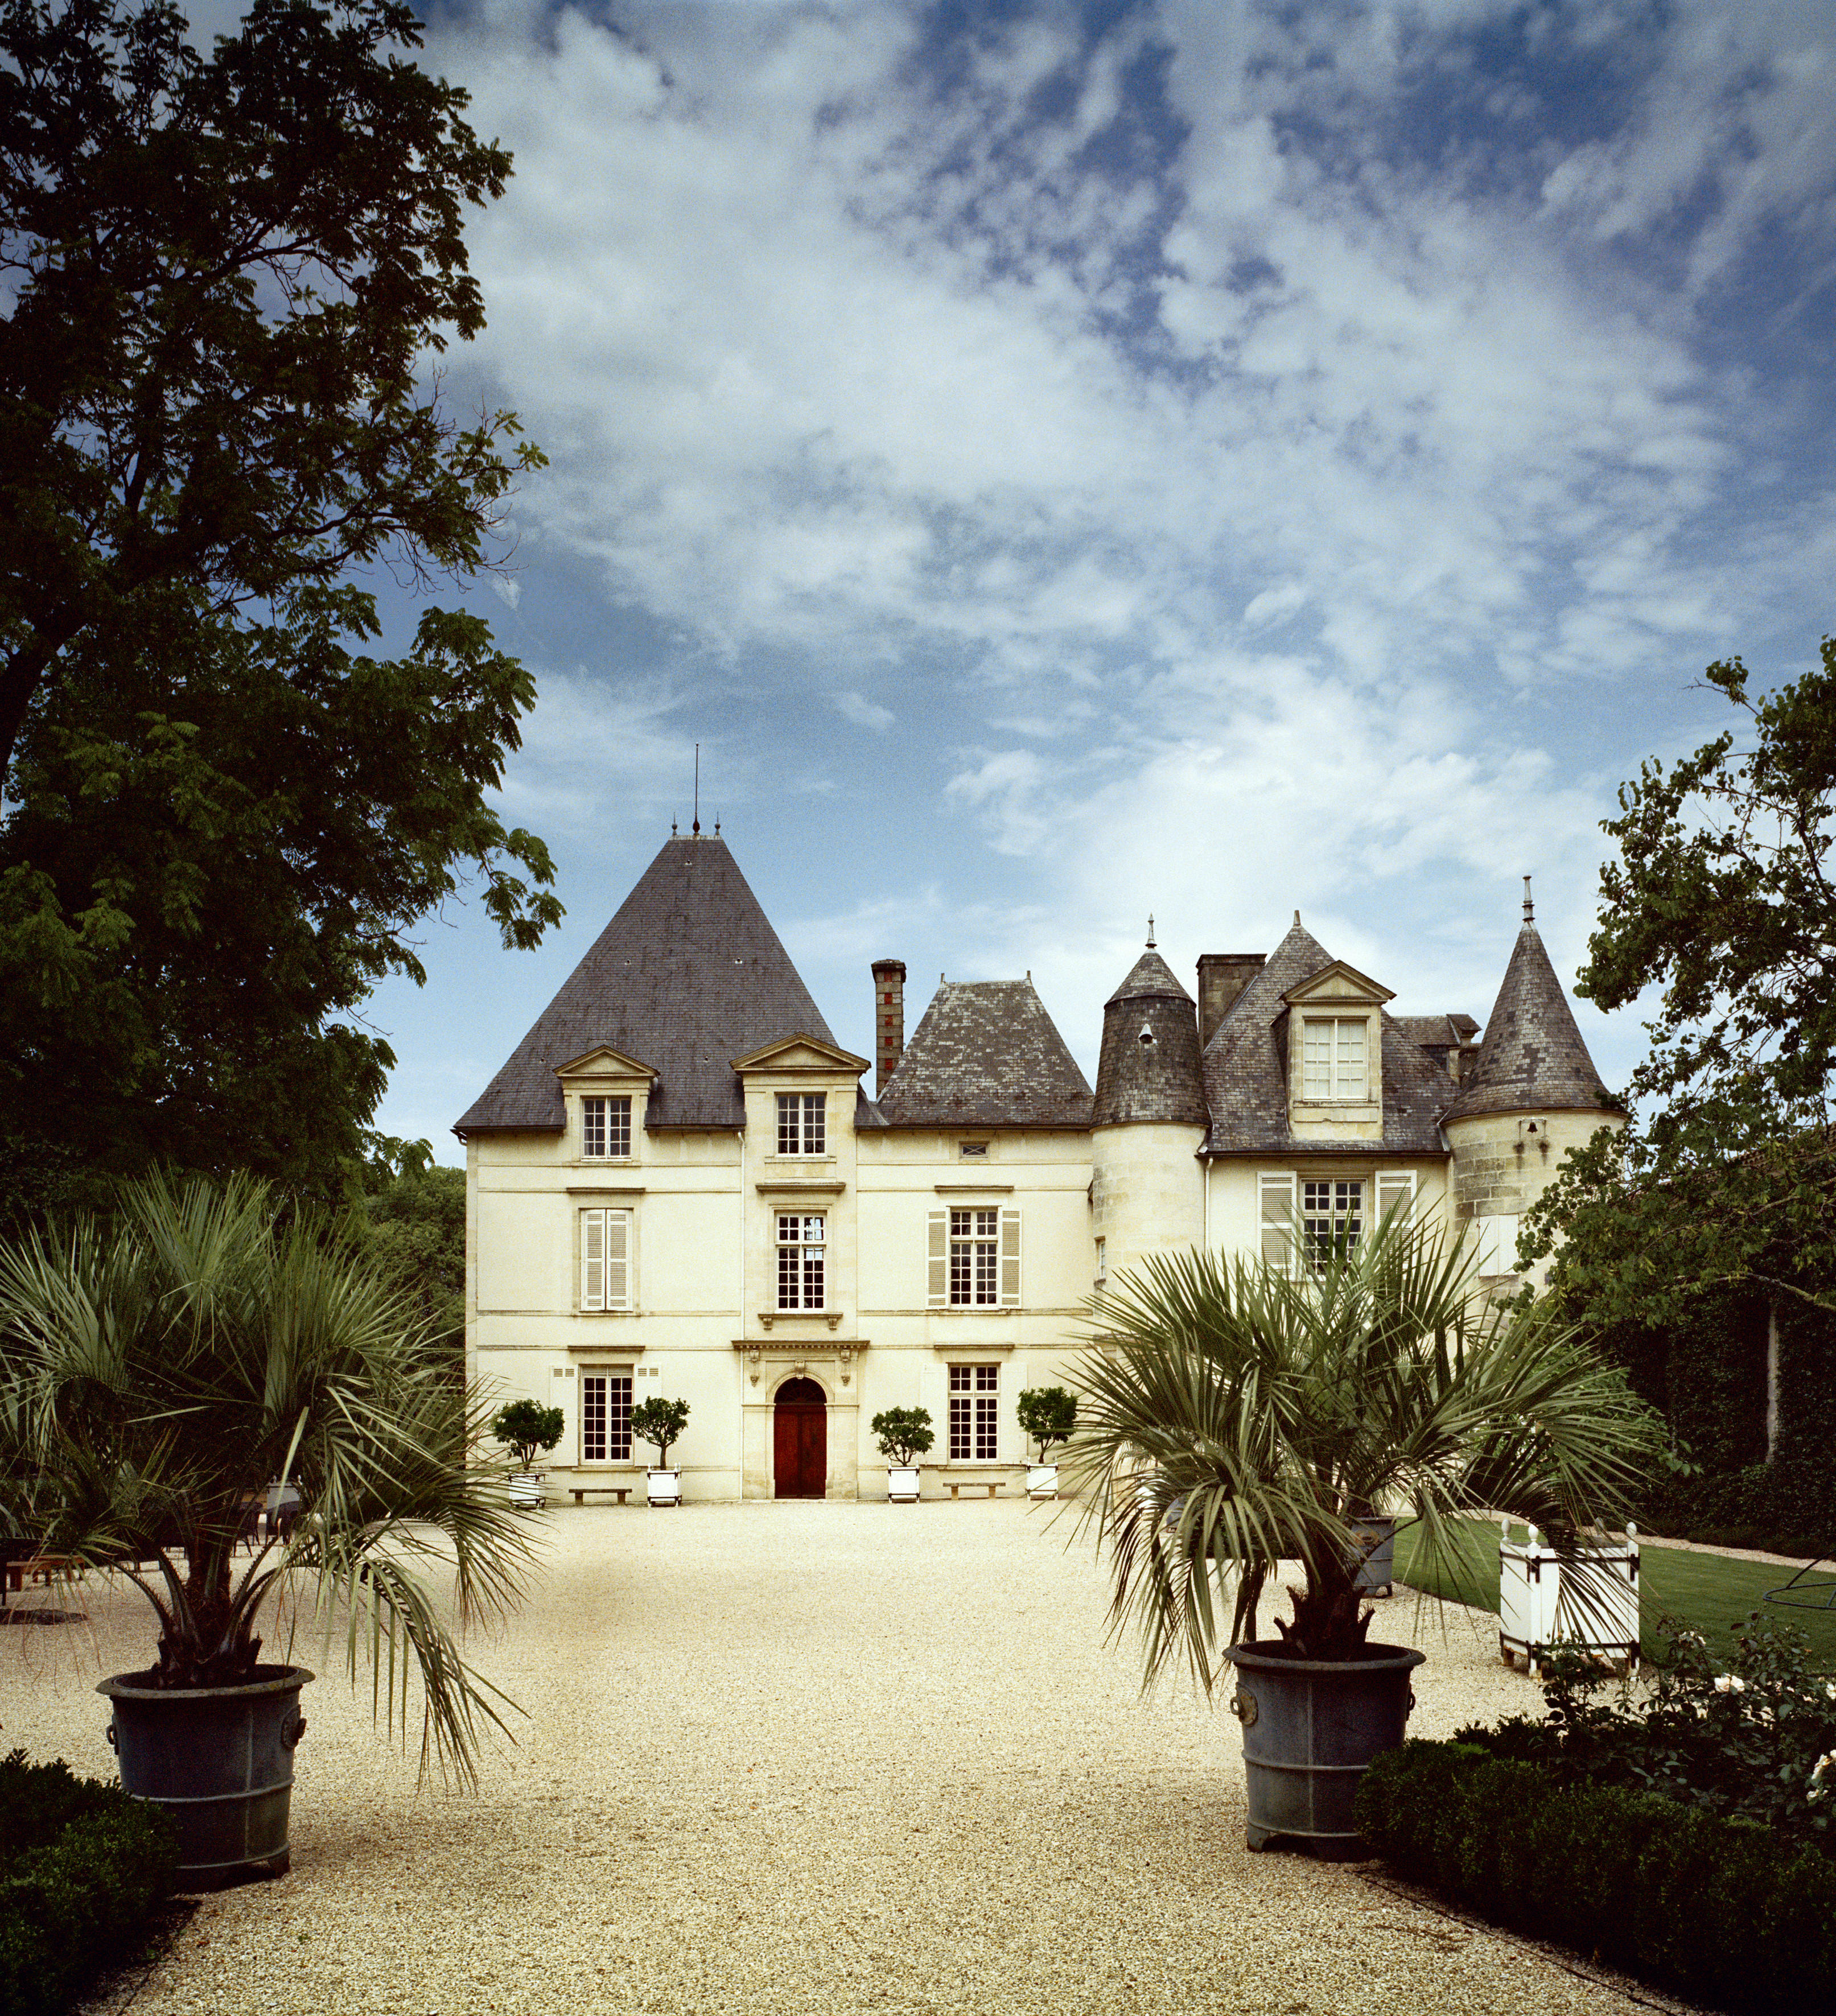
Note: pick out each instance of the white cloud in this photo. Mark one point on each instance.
(864, 713)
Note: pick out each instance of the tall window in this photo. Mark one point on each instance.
(1332, 1063)
(605, 1417)
(975, 1260)
(1332, 1216)
(605, 1259)
(974, 1401)
(800, 1261)
(605, 1127)
(802, 1123)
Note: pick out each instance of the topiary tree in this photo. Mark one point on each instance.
(660, 1423)
(529, 1428)
(1048, 1414)
(903, 1433)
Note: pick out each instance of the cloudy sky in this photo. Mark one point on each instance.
(1066, 462)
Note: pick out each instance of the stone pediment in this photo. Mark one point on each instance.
(803, 1053)
(604, 1062)
(1337, 985)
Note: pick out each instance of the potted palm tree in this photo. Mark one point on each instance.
(903, 1435)
(1048, 1414)
(660, 1423)
(1253, 1419)
(528, 1429)
(158, 1368)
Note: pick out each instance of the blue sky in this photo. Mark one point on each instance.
(1065, 463)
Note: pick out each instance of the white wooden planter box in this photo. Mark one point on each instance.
(526, 1491)
(1540, 1606)
(1041, 1480)
(901, 1486)
(664, 1487)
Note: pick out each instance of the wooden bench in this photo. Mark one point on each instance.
(975, 1484)
(41, 1567)
(580, 1493)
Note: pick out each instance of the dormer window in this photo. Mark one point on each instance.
(802, 1123)
(605, 1128)
(1333, 1059)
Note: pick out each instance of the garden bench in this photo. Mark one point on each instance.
(975, 1484)
(41, 1567)
(580, 1493)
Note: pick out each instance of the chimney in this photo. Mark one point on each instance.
(889, 1020)
(1221, 977)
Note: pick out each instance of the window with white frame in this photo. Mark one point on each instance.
(975, 1398)
(605, 1259)
(605, 1415)
(801, 1246)
(1332, 1215)
(605, 1127)
(973, 1255)
(1333, 1064)
(803, 1123)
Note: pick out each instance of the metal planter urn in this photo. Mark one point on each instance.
(1377, 1567)
(220, 1760)
(1310, 1729)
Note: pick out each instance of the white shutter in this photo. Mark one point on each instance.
(1395, 1191)
(1009, 1259)
(618, 1259)
(936, 1287)
(1278, 1219)
(592, 1259)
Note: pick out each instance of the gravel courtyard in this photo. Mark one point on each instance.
(802, 1757)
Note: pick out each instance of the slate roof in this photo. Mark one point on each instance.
(1246, 1081)
(1146, 1081)
(687, 976)
(986, 1054)
(1532, 1057)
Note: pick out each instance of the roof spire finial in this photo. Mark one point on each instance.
(673, 828)
(697, 787)
(1151, 930)
(1297, 920)
(717, 825)
(1529, 907)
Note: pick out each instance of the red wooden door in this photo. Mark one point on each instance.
(800, 1440)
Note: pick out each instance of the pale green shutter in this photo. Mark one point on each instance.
(592, 1259)
(1278, 1219)
(1009, 1259)
(936, 1287)
(618, 1259)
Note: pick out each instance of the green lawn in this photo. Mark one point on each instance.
(1709, 1594)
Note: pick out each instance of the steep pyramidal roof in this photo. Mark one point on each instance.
(1532, 1056)
(1246, 1072)
(1149, 1070)
(986, 1054)
(687, 976)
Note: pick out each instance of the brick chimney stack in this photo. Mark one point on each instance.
(1221, 977)
(889, 1020)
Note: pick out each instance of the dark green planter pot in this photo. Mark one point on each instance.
(1310, 1728)
(1377, 1572)
(221, 1761)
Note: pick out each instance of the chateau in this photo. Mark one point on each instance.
(677, 1184)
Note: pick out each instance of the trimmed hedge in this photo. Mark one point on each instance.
(82, 1865)
(1711, 1907)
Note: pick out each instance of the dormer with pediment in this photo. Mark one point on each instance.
(800, 1093)
(605, 1095)
(1331, 1033)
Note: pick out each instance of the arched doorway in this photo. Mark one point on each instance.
(800, 1440)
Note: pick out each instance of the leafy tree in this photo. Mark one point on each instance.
(414, 1235)
(1721, 898)
(660, 1423)
(224, 816)
(903, 1433)
(528, 1429)
(1048, 1414)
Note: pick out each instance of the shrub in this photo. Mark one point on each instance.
(81, 1865)
(1718, 1909)
(1048, 1414)
(902, 1433)
(528, 1428)
(660, 1423)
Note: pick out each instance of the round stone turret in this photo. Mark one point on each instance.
(1146, 1191)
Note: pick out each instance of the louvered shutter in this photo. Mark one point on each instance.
(592, 1259)
(1010, 1259)
(1278, 1220)
(937, 1286)
(618, 1259)
(1395, 1191)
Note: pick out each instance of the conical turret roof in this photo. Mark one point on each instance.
(687, 976)
(1149, 1070)
(1532, 1058)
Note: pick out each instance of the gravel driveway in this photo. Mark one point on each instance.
(804, 1757)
